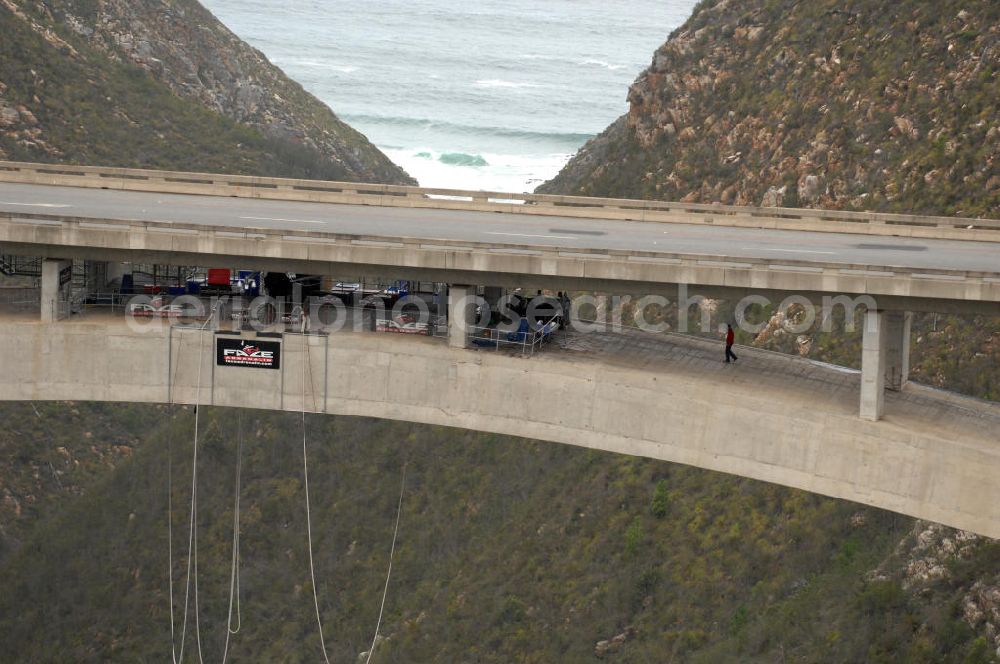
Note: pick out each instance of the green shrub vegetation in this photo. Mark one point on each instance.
(509, 550)
(93, 110)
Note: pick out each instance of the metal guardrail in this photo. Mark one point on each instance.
(519, 203)
(528, 342)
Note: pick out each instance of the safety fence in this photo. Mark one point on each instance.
(526, 339)
(236, 313)
(20, 299)
(268, 315)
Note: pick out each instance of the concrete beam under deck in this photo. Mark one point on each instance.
(502, 271)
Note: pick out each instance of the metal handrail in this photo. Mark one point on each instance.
(527, 341)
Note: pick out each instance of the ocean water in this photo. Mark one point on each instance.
(480, 94)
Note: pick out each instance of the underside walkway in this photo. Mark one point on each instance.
(831, 387)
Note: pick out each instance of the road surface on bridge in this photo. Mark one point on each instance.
(500, 229)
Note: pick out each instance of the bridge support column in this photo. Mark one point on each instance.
(885, 359)
(57, 286)
(460, 301)
(873, 356)
(897, 360)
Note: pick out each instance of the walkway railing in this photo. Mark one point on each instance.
(527, 342)
(235, 312)
(20, 299)
(242, 186)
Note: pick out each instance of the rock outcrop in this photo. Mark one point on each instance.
(181, 45)
(925, 564)
(865, 105)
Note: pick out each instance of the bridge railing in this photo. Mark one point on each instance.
(243, 186)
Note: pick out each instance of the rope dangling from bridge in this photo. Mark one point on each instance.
(305, 475)
(178, 654)
(170, 547)
(234, 570)
(392, 551)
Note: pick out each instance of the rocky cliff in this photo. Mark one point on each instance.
(864, 104)
(166, 71)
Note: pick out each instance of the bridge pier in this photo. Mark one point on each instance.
(885, 359)
(897, 359)
(460, 301)
(57, 287)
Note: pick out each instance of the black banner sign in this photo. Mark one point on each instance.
(246, 353)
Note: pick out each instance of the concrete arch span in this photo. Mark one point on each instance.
(934, 456)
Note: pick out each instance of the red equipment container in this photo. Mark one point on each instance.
(218, 278)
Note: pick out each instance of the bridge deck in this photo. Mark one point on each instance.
(502, 229)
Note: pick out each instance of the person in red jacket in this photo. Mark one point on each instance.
(730, 338)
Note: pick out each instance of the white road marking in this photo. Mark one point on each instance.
(554, 237)
(303, 221)
(45, 205)
(789, 251)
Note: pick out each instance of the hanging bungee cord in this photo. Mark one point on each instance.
(234, 570)
(305, 476)
(170, 538)
(177, 655)
(392, 551)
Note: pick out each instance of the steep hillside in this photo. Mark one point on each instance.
(163, 85)
(509, 550)
(52, 453)
(863, 104)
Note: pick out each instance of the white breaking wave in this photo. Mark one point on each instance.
(499, 172)
(602, 63)
(497, 93)
(492, 83)
(538, 56)
(314, 64)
